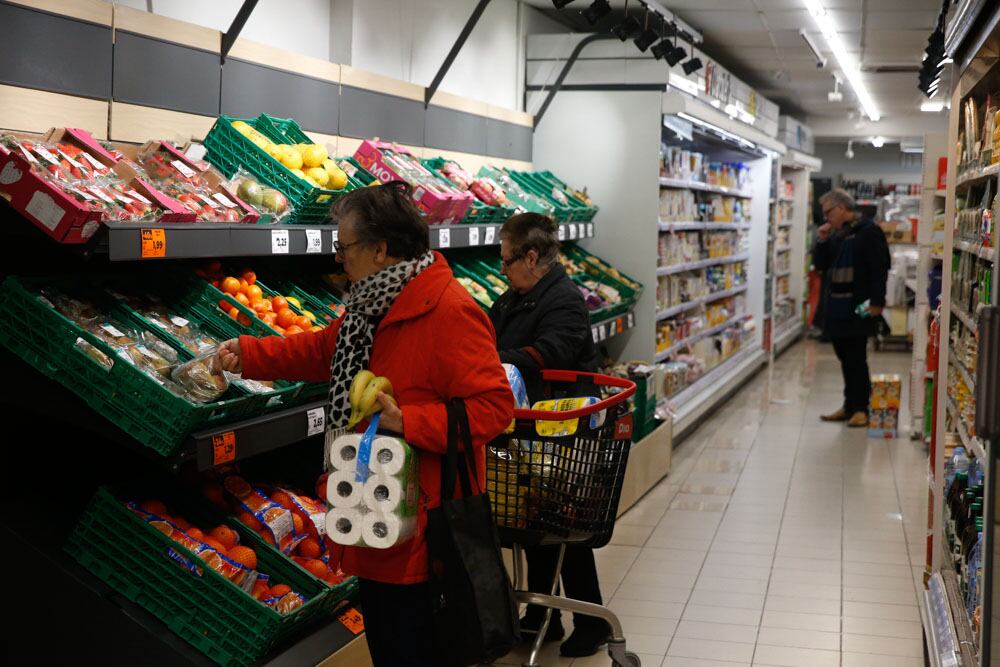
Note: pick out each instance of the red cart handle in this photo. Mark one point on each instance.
(627, 386)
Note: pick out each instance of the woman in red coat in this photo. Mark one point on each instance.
(409, 320)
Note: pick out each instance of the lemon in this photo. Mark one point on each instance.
(306, 313)
(242, 127)
(319, 175)
(295, 302)
(338, 178)
(261, 142)
(291, 159)
(299, 173)
(313, 155)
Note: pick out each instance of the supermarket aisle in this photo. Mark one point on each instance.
(777, 539)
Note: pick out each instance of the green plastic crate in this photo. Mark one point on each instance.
(228, 150)
(480, 213)
(123, 394)
(535, 186)
(202, 607)
(584, 212)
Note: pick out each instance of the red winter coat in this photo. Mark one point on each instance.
(434, 344)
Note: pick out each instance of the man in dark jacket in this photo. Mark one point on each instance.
(542, 322)
(855, 252)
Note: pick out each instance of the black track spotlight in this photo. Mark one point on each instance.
(661, 49)
(559, 4)
(645, 39)
(692, 66)
(627, 28)
(598, 10)
(675, 55)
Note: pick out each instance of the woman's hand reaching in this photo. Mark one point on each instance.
(392, 416)
(228, 357)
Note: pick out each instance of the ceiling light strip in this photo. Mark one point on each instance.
(848, 64)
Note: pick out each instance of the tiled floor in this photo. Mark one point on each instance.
(776, 539)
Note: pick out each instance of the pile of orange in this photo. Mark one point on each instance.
(275, 311)
(223, 540)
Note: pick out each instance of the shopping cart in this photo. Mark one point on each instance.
(563, 488)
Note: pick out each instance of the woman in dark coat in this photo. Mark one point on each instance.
(542, 322)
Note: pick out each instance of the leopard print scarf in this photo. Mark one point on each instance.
(368, 301)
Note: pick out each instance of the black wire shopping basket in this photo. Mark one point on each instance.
(556, 478)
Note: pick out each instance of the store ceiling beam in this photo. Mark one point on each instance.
(455, 48)
(565, 71)
(229, 37)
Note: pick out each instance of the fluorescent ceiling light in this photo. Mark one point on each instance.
(848, 64)
(878, 142)
(932, 106)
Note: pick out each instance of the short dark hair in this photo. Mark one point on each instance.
(386, 213)
(532, 231)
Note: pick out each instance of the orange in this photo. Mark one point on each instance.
(333, 579)
(279, 303)
(297, 524)
(249, 520)
(230, 285)
(234, 312)
(269, 318)
(303, 322)
(226, 535)
(260, 590)
(286, 317)
(266, 535)
(154, 507)
(243, 319)
(245, 556)
(216, 284)
(283, 499)
(244, 299)
(278, 330)
(279, 590)
(215, 544)
(196, 534)
(249, 276)
(254, 292)
(225, 305)
(292, 330)
(310, 548)
(258, 306)
(321, 486)
(316, 567)
(182, 523)
(244, 286)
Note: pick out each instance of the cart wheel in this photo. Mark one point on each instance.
(631, 660)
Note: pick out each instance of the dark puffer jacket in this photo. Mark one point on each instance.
(547, 328)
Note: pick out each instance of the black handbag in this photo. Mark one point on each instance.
(475, 613)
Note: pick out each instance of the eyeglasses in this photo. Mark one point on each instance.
(507, 263)
(339, 247)
(828, 211)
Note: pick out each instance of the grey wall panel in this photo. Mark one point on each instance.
(161, 74)
(508, 140)
(249, 89)
(55, 53)
(455, 130)
(365, 114)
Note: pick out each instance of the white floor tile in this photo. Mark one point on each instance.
(883, 628)
(785, 656)
(676, 661)
(880, 595)
(802, 605)
(828, 641)
(798, 589)
(730, 585)
(710, 649)
(912, 648)
(872, 660)
(647, 608)
(727, 599)
(726, 632)
(800, 621)
(696, 612)
(651, 592)
(888, 612)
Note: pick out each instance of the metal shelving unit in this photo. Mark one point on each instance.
(690, 340)
(701, 264)
(667, 226)
(690, 305)
(704, 187)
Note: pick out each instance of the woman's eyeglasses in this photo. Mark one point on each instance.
(339, 247)
(507, 263)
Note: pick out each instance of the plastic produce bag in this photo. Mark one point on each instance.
(265, 200)
(196, 376)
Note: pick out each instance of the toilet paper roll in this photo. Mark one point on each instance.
(344, 451)
(342, 490)
(381, 531)
(389, 456)
(345, 526)
(383, 493)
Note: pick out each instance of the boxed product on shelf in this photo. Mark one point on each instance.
(518, 195)
(682, 164)
(680, 206)
(440, 201)
(491, 203)
(214, 582)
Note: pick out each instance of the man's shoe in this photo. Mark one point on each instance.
(838, 416)
(858, 420)
(533, 620)
(585, 641)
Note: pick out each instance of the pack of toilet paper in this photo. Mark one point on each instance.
(373, 491)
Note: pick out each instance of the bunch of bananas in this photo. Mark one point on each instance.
(363, 396)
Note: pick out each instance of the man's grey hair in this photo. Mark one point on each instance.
(838, 197)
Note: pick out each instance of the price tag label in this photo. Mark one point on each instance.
(314, 241)
(154, 243)
(101, 195)
(209, 201)
(83, 194)
(70, 160)
(183, 168)
(572, 231)
(490, 235)
(28, 155)
(44, 152)
(562, 233)
(352, 620)
(473, 236)
(602, 331)
(111, 329)
(179, 321)
(138, 197)
(590, 230)
(279, 241)
(224, 200)
(444, 238)
(334, 234)
(224, 447)
(631, 319)
(315, 421)
(93, 161)
(594, 334)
